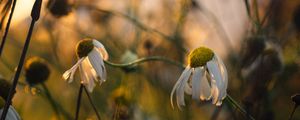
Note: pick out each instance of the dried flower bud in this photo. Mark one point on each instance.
(36, 71)
(4, 88)
(59, 8)
(296, 99)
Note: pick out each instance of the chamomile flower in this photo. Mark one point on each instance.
(204, 78)
(91, 54)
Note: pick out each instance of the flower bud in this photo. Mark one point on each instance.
(36, 71)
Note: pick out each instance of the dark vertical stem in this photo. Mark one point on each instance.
(7, 26)
(51, 100)
(78, 102)
(93, 105)
(294, 109)
(35, 13)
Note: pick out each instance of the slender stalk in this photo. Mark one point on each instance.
(35, 14)
(7, 26)
(78, 101)
(51, 100)
(293, 111)
(146, 59)
(92, 103)
(232, 102)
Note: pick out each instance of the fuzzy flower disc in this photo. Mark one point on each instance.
(200, 56)
(84, 47)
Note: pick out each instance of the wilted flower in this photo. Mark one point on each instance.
(36, 71)
(91, 54)
(204, 78)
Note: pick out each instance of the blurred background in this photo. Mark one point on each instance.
(257, 39)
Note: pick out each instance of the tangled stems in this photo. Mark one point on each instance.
(229, 100)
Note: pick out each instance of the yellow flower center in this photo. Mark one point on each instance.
(200, 56)
(84, 47)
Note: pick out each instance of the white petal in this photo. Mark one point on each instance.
(180, 89)
(97, 63)
(224, 76)
(177, 84)
(196, 78)
(216, 77)
(205, 89)
(101, 48)
(87, 75)
(187, 89)
(69, 74)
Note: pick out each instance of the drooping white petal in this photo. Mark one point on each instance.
(97, 63)
(69, 74)
(214, 91)
(181, 87)
(188, 89)
(205, 89)
(87, 75)
(216, 76)
(177, 84)
(224, 76)
(196, 78)
(101, 48)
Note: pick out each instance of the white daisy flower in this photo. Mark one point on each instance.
(91, 54)
(204, 78)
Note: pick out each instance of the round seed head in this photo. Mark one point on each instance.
(59, 8)
(84, 47)
(200, 56)
(36, 71)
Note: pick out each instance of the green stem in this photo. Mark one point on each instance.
(229, 99)
(235, 104)
(146, 59)
(51, 100)
(54, 104)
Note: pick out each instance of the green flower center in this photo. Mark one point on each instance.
(84, 47)
(200, 56)
(2, 102)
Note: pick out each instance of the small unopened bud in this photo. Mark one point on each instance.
(296, 99)
(84, 47)
(4, 88)
(200, 56)
(36, 71)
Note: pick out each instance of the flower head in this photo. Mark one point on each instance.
(36, 71)
(91, 54)
(204, 78)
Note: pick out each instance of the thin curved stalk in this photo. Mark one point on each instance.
(92, 103)
(51, 100)
(78, 102)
